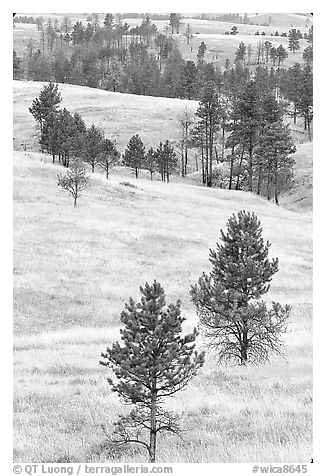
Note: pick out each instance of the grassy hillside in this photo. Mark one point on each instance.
(74, 269)
(154, 119)
(300, 197)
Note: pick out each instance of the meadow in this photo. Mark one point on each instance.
(153, 118)
(73, 271)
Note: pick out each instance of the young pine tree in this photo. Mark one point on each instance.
(109, 156)
(236, 322)
(134, 155)
(154, 361)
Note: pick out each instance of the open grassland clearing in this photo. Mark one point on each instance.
(220, 47)
(300, 197)
(73, 271)
(155, 119)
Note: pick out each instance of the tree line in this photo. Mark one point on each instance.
(118, 57)
(66, 136)
(239, 140)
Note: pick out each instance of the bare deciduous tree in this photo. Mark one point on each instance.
(75, 180)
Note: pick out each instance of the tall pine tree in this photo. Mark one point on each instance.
(234, 319)
(153, 361)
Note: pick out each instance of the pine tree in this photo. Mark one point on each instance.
(294, 44)
(234, 319)
(201, 54)
(209, 114)
(166, 160)
(188, 80)
(134, 155)
(108, 156)
(93, 146)
(274, 156)
(47, 102)
(150, 162)
(240, 52)
(305, 100)
(247, 124)
(153, 362)
(282, 54)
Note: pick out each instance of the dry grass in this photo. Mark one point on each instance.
(74, 269)
(300, 197)
(155, 119)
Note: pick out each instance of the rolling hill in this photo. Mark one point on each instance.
(155, 119)
(73, 271)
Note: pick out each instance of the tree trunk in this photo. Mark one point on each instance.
(250, 166)
(244, 345)
(231, 169)
(309, 129)
(259, 179)
(239, 171)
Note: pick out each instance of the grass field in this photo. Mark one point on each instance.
(154, 119)
(73, 271)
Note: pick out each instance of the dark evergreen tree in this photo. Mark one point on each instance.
(240, 52)
(17, 66)
(153, 361)
(282, 54)
(308, 55)
(166, 160)
(275, 162)
(209, 116)
(305, 100)
(294, 44)
(246, 127)
(175, 22)
(188, 81)
(150, 162)
(93, 146)
(134, 155)
(236, 322)
(108, 157)
(47, 102)
(201, 54)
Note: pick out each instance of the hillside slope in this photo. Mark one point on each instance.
(155, 119)
(300, 197)
(73, 271)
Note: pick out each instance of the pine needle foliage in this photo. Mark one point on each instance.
(153, 362)
(235, 321)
